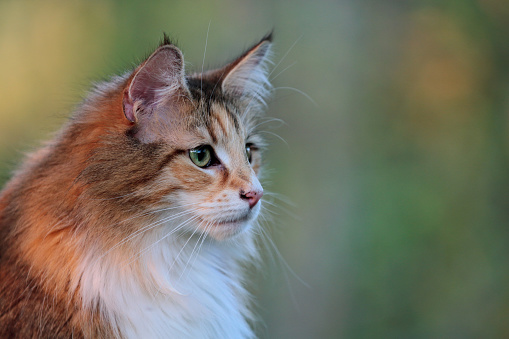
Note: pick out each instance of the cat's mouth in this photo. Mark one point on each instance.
(232, 221)
(227, 227)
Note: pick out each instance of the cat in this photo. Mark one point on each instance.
(138, 219)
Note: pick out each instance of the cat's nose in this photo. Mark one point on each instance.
(252, 196)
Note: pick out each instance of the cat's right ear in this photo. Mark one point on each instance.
(160, 78)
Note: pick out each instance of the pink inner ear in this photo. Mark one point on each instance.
(154, 80)
(128, 107)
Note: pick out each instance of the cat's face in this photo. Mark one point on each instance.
(205, 127)
(218, 174)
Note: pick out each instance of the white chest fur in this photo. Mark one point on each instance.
(174, 290)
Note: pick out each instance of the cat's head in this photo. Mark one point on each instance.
(192, 140)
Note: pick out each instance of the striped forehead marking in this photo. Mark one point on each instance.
(226, 135)
(223, 124)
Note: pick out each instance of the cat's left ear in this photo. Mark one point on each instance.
(248, 75)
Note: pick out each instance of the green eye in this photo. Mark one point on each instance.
(201, 156)
(248, 152)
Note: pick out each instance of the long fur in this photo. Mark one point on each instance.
(110, 230)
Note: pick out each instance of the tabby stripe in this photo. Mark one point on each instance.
(220, 122)
(212, 133)
(235, 119)
(169, 157)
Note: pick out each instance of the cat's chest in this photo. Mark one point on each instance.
(206, 300)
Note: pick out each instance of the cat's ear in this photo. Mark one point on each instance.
(248, 75)
(158, 79)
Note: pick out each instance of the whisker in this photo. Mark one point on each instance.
(277, 207)
(156, 223)
(180, 252)
(287, 210)
(261, 238)
(284, 56)
(172, 207)
(270, 73)
(206, 233)
(279, 197)
(277, 136)
(140, 253)
(269, 211)
(141, 214)
(286, 68)
(203, 62)
(269, 121)
(300, 92)
(146, 228)
(201, 238)
(281, 258)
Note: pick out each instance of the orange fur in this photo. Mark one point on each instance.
(103, 176)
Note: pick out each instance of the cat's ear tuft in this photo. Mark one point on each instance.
(166, 40)
(155, 81)
(248, 75)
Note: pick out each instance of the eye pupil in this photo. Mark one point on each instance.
(200, 155)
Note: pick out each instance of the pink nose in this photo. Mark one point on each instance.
(252, 197)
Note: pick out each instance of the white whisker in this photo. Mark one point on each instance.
(267, 121)
(282, 260)
(180, 252)
(284, 69)
(279, 197)
(277, 136)
(200, 240)
(203, 62)
(300, 92)
(145, 213)
(284, 56)
(180, 226)
(147, 228)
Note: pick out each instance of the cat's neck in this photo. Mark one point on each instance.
(179, 284)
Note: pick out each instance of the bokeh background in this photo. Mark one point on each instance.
(395, 164)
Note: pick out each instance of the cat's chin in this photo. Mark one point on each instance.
(228, 229)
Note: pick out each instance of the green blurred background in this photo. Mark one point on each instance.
(396, 177)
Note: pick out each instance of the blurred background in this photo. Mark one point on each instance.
(395, 164)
